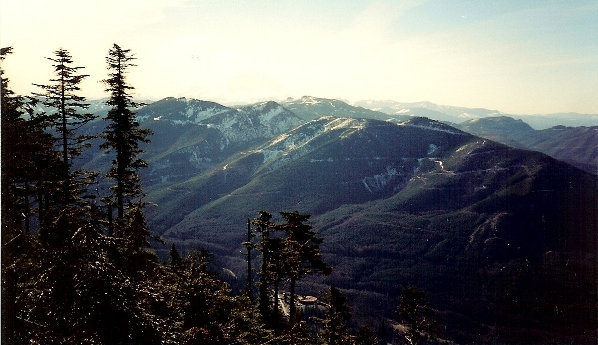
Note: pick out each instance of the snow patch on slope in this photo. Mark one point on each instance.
(433, 128)
(344, 123)
(294, 143)
(379, 181)
(432, 149)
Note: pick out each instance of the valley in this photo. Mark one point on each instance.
(502, 239)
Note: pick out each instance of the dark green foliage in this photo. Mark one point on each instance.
(416, 315)
(209, 314)
(85, 287)
(14, 164)
(290, 251)
(134, 228)
(263, 226)
(334, 326)
(289, 257)
(28, 159)
(75, 292)
(298, 334)
(134, 233)
(249, 245)
(61, 96)
(277, 272)
(24, 149)
(301, 252)
(123, 134)
(69, 283)
(366, 336)
(175, 257)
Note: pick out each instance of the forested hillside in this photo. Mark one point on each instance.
(77, 267)
(308, 221)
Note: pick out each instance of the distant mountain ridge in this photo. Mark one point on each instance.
(504, 240)
(311, 108)
(421, 201)
(576, 145)
(182, 110)
(260, 121)
(459, 114)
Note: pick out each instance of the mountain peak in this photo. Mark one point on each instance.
(181, 110)
(310, 108)
(265, 106)
(309, 100)
(496, 127)
(426, 123)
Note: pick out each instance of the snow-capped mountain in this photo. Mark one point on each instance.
(310, 108)
(181, 110)
(428, 109)
(399, 200)
(458, 115)
(417, 202)
(253, 122)
(243, 124)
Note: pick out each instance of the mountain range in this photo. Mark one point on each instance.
(577, 146)
(459, 114)
(502, 239)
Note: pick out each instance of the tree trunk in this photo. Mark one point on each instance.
(276, 308)
(292, 306)
(27, 210)
(119, 197)
(249, 274)
(110, 222)
(264, 305)
(65, 155)
(40, 207)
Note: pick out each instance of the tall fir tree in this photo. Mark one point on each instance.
(277, 271)
(123, 133)
(28, 158)
(301, 252)
(13, 159)
(263, 226)
(68, 115)
(249, 245)
(11, 127)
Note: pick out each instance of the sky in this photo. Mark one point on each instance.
(516, 56)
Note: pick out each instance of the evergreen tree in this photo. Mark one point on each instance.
(175, 257)
(25, 149)
(71, 284)
(14, 160)
(28, 158)
(415, 313)
(77, 292)
(249, 245)
(134, 232)
(210, 315)
(335, 324)
(366, 336)
(301, 252)
(264, 226)
(277, 271)
(61, 95)
(123, 134)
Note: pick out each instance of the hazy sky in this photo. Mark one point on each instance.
(516, 56)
